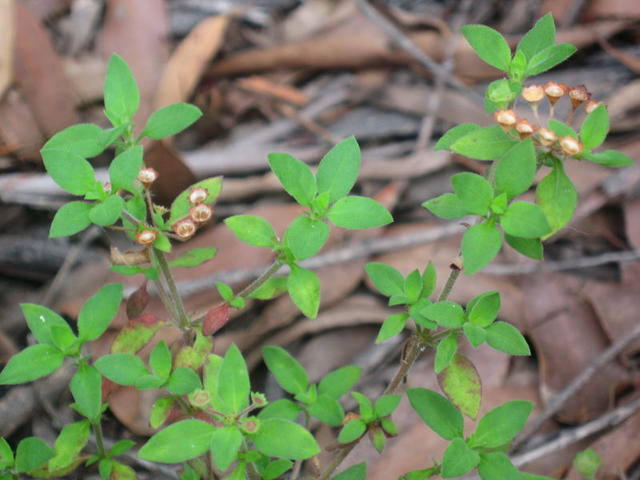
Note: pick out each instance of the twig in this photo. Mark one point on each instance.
(557, 401)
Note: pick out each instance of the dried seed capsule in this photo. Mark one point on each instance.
(578, 95)
(533, 93)
(506, 118)
(525, 128)
(570, 146)
(200, 213)
(184, 228)
(146, 237)
(198, 195)
(592, 105)
(554, 91)
(546, 137)
(147, 176)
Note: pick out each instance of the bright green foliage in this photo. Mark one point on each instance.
(352, 431)
(84, 139)
(108, 211)
(225, 444)
(500, 93)
(69, 170)
(125, 168)
(480, 244)
(335, 384)
(69, 444)
(445, 352)
(338, 170)
(476, 335)
(295, 176)
(30, 364)
(356, 212)
(304, 289)
(461, 382)
(549, 57)
(447, 206)
(446, 314)
(488, 143)
(525, 220)
(474, 192)
(541, 36)
(233, 382)
(47, 326)
(178, 442)
(71, 218)
(180, 206)
(121, 368)
(531, 247)
(483, 309)
(121, 94)
(170, 120)
(499, 426)
(437, 412)
(609, 158)
(160, 411)
(595, 128)
(282, 408)
(587, 462)
(183, 381)
(31, 454)
(562, 129)
(194, 257)
(276, 468)
(453, 134)
(98, 312)
(86, 388)
(252, 230)
(305, 237)
(515, 170)
(282, 438)
(494, 465)
(289, 373)
(507, 338)
(387, 279)
(356, 472)
(458, 459)
(392, 326)
(386, 404)
(489, 44)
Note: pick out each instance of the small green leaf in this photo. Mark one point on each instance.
(180, 206)
(428, 280)
(289, 373)
(531, 247)
(86, 388)
(178, 442)
(437, 412)
(483, 309)
(476, 335)
(233, 381)
(352, 431)
(453, 134)
(595, 127)
(252, 230)
(31, 454)
(500, 93)
(335, 384)
(107, 212)
(447, 314)
(282, 438)
(515, 170)
(295, 176)
(304, 289)
(557, 196)
(121, 94)
(445, 351)
(70, 442)
(31, 363)
(358, 213)
(69, 170)
(499, 426)
(133, 337)
(480, 244)
(541, 36)
(486, 143)
(160, 411)
(183, 381)
(225, 445)
(386, 404)
(587, 463)
(305, 237)
(282, 408)
(270, 289)
(447, 206)
(507, 338)
(494, 465)
(474, 192)
(338, 170)
(121, 368)
(562, 129)
(392, 326)
(276, 468)
(489, 44)
(98, 312)
(84, 139)
(461, 383)
(160, 360)
(607, 158)
(525, 220)
(71, 218)
(387, 279)
(124, 169)
(194, 257)
(47, 326)
(518, 66)
(549, 57)
(328, 410)
(458, 459)
(6, 454)
(171, 120)
(356, 472)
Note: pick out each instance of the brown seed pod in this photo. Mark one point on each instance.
(525, 128)
(200, 213)
(184, 228)
(554, 91)
(198, 195)
(533, 93)
(147, 175)
(570, 146)
(578, 95)
(592, 105)
(146, 237)
(546, 137)
(505, 118)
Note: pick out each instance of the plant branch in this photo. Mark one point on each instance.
(182, 316)
(258, 282)
(97, 430)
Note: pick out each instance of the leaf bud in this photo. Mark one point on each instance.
(199, 398)
(578, 95)
(525, 128)
(184, 228)
(546, 137)
(200, 213)
(350, 416)
(215, 319)
(554, 91)
(107, 187)
(533, 93)
(258, 399)
(147, 175)
(146, 237)
(198, 195)
(250, 425)
(506, 118)
(570, 146)
(377, 437)
(592, 105)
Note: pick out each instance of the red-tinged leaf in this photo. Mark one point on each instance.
(215, 319)
(138, 301)
(147, 319)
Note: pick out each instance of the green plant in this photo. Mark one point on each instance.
(223, 429)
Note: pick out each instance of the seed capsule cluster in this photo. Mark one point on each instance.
(199, 213)
(553, 92)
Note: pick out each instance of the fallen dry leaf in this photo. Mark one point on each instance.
(7, 33)
(18, 129)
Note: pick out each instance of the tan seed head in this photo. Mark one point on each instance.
(147, 176)
(198, 195)
(506, 118)
(547, 137)
(184, 228)
(554, 91)
(525, 128)
(578, 95)
(533, 93)
(200, 213)
(146, 237)
(592, 105)
(570, 146)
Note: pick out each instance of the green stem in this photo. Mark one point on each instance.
(182, 316)
(97, 430)
(258, 282)
(448, 286)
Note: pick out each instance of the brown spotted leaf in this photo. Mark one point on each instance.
(461, 383)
